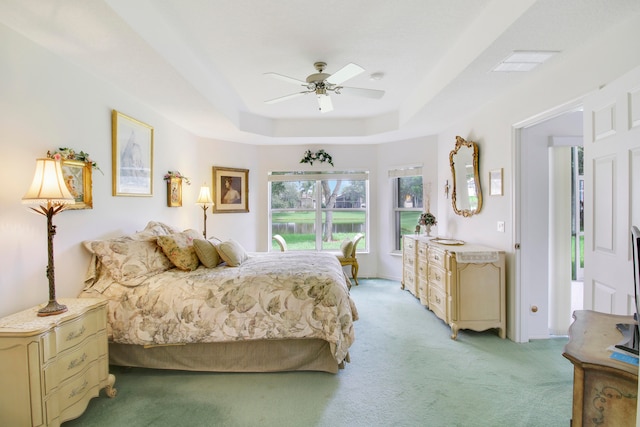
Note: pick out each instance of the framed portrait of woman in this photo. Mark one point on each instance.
(230, 190)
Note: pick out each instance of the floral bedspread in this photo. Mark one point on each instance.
(270, 296)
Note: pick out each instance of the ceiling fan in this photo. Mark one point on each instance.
(321, 83)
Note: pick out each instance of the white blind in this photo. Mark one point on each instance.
(405, 171)
(356, 175)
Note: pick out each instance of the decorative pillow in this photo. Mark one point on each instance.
(179, 248)
(130, 261)
(232, 253)
(159, 229)
(346, 247)
(207, 252)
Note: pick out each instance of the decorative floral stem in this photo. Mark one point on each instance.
(176, 174)
(65, 153)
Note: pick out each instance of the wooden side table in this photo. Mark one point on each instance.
(605, 391)
(52, 366)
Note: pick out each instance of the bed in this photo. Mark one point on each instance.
(171, 307)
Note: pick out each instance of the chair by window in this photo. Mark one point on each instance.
(348, 256)
(281, 242)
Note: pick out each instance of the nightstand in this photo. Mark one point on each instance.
(52, 366)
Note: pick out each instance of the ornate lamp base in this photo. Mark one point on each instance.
(51, 309)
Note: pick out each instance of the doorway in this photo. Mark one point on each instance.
(542, 294)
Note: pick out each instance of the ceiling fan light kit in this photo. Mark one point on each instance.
(321, 83)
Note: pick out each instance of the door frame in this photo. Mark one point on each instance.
(521, 331)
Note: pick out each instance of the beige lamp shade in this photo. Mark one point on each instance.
(48, 185)
(204, 198)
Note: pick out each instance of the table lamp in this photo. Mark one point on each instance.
(49, 190)
(204, 200)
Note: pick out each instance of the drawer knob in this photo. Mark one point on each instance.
(78, 390)
(77, 362)
(77, 334)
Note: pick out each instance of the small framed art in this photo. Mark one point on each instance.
(174, 192)
(132, 156)
(77, 177)
(230, 190)
(495, 182)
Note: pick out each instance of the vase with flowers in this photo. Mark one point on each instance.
(428, 220)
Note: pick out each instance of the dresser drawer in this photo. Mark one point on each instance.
(423, 292)
(436, 257)
(409, 278)
(73, 332)
(437, 277)
(423, 271)
(438, 303)
(408, 245)
(423, 251)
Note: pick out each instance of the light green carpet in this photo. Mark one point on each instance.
(404, 371)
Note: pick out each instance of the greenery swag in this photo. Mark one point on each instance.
(320, 156)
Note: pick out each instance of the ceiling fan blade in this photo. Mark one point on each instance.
(345, 73)
(325, 104)
(286, 79)
(284, 98)
(367, 93)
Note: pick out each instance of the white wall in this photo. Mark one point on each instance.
(48, 103)
(558, 83)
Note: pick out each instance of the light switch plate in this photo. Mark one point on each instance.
(501, 226)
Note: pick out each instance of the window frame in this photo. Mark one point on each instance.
(318, 177)
(396, 175)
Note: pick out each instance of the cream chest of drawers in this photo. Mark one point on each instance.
(409, 265)
(463, 285)
(52, 366)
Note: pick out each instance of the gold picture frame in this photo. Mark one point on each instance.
(174, 192)
(132, 156)
(77, 177)
(495, 182)
(230, 190)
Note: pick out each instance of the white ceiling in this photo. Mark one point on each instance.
(200, 63)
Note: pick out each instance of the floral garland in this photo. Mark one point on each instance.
(320, 156)
(427, 218)
(65, 153)
(176, 174)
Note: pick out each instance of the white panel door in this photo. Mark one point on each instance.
(611, 147)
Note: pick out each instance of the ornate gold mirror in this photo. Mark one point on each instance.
(467, 195)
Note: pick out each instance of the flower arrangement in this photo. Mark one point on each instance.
(427, 218)
(320, 156)
(176, 174)
(65, 153)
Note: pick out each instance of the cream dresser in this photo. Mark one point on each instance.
(52, 366)
(464, 285)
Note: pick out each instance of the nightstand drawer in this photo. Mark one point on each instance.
(74, 361)
(73, 396)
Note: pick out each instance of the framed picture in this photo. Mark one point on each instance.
(230, 190)
(495, 182)
(174, 192)
(132, 156)
(77, 177)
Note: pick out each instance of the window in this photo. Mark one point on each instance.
(407, 201)
(318, 210)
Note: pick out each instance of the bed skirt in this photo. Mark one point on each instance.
(237, 356)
